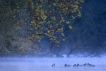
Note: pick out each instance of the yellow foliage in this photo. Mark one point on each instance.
(33, 22)
(44, 17)
(52, 17)
(67, 22)
(41, 22)
(79, 14)
(54, 4)
(70, 27)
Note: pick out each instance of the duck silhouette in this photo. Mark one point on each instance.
(85, 64)
(88, 64)
(53, 65)
(75, 65)
(91, 65)
(66, 65)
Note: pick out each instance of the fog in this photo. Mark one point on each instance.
(45, 64)
(87, 38)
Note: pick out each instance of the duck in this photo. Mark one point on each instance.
(66, 65)
(53, 65)
(91, 65)
(78, 65)
(88, 64)
(75, 65)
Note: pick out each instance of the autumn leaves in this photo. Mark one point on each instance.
(50, 17)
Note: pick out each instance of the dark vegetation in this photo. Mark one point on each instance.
(52, 27)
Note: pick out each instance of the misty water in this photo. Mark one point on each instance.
(45, 64)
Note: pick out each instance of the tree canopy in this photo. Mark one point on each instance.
(48, 18)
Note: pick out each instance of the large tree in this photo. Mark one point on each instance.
(48, 18)
(51, 17)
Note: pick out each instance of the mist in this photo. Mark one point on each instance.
(85, 43)
(45, 64)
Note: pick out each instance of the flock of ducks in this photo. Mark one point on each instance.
(86, 64)
(77, 65)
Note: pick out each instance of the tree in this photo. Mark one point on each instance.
(9, 10)
(48, 18)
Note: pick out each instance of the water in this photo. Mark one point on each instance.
(44, 64)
